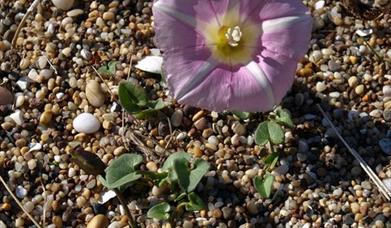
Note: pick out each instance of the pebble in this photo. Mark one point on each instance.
(387, 115)
(42, 62)
(46, 118)
(377, 113)
(95, 94)
(21, 192)
(108, 16)
(387, 183)
(86, 123)
(353, 81)
(238, 128)
(385, 145)
(201, 124)
(6, 96)
(320, 87)
(387, 90)
(86, 54)
(99, 221)
(176, 118)
(359, 90)
(63, 4)
(46, 73)
(75, 12)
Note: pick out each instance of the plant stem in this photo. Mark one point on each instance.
(28, 12)
(18, 202)
(121, 199)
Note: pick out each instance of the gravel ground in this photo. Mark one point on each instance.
(318, 183)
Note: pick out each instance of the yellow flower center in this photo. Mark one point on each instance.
(232, 42)
(233, 36)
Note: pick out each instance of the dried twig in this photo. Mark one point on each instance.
(122, 201)
(382, 188)
(18, 202)
(29, 11)
(104, 81)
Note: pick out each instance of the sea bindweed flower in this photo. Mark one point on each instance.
(231, 54)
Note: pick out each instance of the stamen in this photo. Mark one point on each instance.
(233, 36)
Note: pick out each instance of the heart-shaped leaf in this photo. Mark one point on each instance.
(108, 69)
(195, 202)
(169, 163)
(284, 117)
(124, 180)
(189, 179)
(264, 185)
(262, 134)
(159, 211)
(201, 167)
(132, 96)
(122, 170)
(269, 131)
(182, 171)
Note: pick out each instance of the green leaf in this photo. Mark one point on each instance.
(182, 172)
(264, 186)
(132, 96)
(180, 197)
(276, 133)
(284, 117)
(201, 167)
(269, 131)
(124, 180)
(169, 163)
(242, 115)
(189, 179)
(262, 133)
(108, 69)
(196, 203)
(272, 160)
(159, 211)
(156, 177)
(122, 170)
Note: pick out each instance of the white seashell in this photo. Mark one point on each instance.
(364, 32)
(63, 4)
(319, 4)
(17, 117)
(106, 196)
(151, 64)
(155, 51)
(35, 146)
(86, 123)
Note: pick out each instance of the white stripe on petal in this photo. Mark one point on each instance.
(187, 19)
(274, 25)
(202, 73)
(263, 81)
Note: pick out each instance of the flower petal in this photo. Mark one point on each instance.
(225, 89)
(288, 36)
(272, 9)
(280, 70)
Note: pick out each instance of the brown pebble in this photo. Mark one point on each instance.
(6, 96)
(99, 221)
(57, 221)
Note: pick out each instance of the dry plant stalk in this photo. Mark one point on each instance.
(18, 202)
(382, 188)
(28, 12)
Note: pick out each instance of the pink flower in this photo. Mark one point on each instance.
(231, 54)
